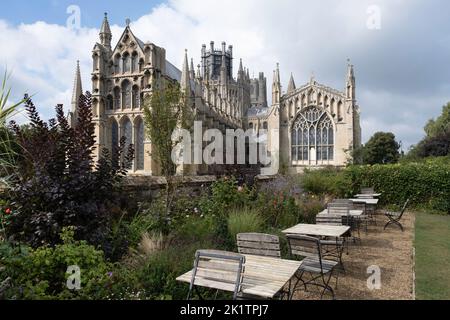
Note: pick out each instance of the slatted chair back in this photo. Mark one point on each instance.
(367, 190)
(259, 244)
(403, 209)
(329, 219)
(344, 202)
(304, 246)
(219, 270)
(342, 209)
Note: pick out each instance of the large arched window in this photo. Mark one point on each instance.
(136, 97)
(114, 135)
(109, 102)
(312, 137)
(126, 94)
(139, 143)
(134, 62)
(116, 98)
(127, 132)
(126, 62)
(117, 64)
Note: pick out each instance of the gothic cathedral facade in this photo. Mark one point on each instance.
(315, 125)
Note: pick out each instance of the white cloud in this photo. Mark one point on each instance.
(402, 70)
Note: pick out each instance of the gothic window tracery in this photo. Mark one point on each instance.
(312, 136)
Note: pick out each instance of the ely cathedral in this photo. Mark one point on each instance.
(317, 125)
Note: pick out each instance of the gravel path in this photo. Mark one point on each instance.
(391, 250)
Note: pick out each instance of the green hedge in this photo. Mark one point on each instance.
(426, 183)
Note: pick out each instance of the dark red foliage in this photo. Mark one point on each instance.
(59, 184)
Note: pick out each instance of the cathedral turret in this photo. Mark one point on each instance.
(276, 86)
(223, 66)
(262, 84)
(185, 76)
(105, 33)
(291, 85)
(350, 82)
(77, 92)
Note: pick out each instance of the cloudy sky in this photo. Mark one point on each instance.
(400, 48)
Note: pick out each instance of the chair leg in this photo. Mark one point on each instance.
(394, 222)
(327, 286)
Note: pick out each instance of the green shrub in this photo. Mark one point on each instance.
(41, 273)
(197, 228)
(225, 194)
(309, 207)
(244, 220)
(279, 210)
(325, 181)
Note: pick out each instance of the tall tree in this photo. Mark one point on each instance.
(381, 148)
(166, 110)
(436, 143)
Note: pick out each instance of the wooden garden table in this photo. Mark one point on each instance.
(370, 195)
(318, 230)
(353, 213)
(372, 202)
(263, 277)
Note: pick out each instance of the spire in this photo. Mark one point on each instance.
(185, 81)
(192, 70)
(291, 85)
(276, 78)
(241, 74)
(351, 82)
(105, 33)
(77, 88)
(276, 86)
(350, 72)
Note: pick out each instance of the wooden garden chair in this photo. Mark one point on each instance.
(332, 247)
(319, 269)
(395, 217)
(367, 190)
(259, 244)
(220, 270)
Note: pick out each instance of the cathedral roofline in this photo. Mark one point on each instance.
(315, 84)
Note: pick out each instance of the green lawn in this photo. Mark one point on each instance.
(432, 244)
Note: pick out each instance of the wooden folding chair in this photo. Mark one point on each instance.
(220, 270)
(395, 217)
(313, 263)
